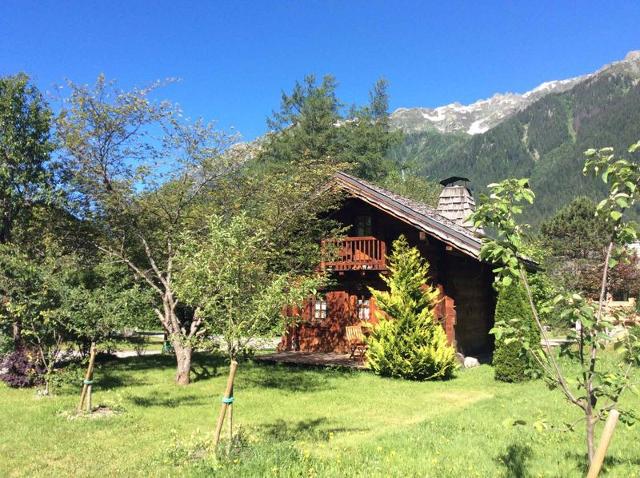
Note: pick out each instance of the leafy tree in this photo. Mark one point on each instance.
(311, 125)
(61, 301)
(575, 231)
(510, 359)
(600, 384)
(305, 127)
(25, 148)
(290, 205)
(99, 300)
(408, 342)
(225, 273)
(142, 192)
(367, 136)
(27, 299)
(576, 239)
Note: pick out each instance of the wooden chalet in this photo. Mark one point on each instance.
(375, 218)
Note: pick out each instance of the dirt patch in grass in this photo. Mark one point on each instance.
(97, 413)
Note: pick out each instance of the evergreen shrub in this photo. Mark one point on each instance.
(511, 361)
(408, 342)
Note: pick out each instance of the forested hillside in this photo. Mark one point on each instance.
(545, 141)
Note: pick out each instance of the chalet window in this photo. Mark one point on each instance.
(320, 309)
(363, 226)
(364, 310)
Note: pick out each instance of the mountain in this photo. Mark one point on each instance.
(481, 116)
(477, 117)
(541, 134)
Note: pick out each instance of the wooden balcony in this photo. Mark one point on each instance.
(355, 254)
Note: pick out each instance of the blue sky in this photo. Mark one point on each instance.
(235, 58)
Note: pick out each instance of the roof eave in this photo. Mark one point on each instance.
(465, 244)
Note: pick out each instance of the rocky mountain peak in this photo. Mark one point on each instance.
(481, 116)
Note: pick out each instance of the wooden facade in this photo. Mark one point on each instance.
(467, 299)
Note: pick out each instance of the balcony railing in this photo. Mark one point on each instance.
(355, 254)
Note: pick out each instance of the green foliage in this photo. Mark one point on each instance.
(25, 147)
(226, 275)
(367, 137)
(576, 240)
(511, 360)
(408, 342)
(597, 389)
(499, 211)
(285, 203)
(6, 342)
(312, 125)
(305, 125)
(632, 349)
(543, 288)
(575, 232)
(59, 301)
(141, 193)
(544, 142)
(98, 301)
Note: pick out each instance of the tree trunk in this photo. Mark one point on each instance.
(178, 338)
(18, 342)
(7, 223)
(183, 359)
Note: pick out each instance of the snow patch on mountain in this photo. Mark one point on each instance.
(481, 116)
(475, 118)
(478, 127)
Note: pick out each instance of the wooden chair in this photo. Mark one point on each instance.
(356, 340)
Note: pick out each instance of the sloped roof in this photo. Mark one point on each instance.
(419, 215)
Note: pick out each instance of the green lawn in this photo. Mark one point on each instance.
(300, 422)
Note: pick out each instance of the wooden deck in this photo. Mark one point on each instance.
(317, 359)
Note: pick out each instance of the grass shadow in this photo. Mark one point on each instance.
(121, 372)
(291, 377)
(107, 380)
(161, 361)
(515, 459)
(308, 430)
(206, 366)
(167, 402)
(146, 362)
(609, 463)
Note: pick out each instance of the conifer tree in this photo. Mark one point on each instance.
(511, 361)
(313, 126)
(408, 342)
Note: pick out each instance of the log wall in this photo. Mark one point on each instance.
(465, 311)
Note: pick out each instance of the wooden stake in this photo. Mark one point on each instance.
(228, 393)
(86, 388)
(230, 423)
(607, 433)
(89, 399)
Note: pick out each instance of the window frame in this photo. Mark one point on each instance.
(363, 225)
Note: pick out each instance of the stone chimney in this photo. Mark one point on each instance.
(456, 201)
